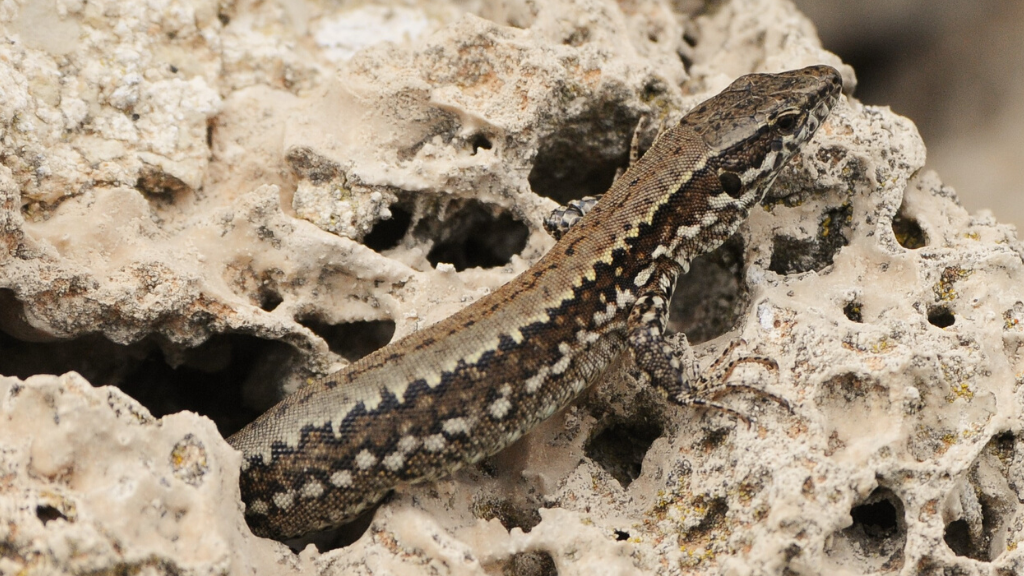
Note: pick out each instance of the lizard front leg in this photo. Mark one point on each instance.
(673, 372)
(563, 217)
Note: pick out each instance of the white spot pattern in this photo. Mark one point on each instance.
(601, 317)
(722, 201)
(687, 232)
(643, 276)
(453, 426)
(342, 479)
(432, 380)
(434, 443)
(312, 489)
(623, 299)
(372, 401)
(284, 500)
(365, 460)
(407, 443)
(562, 365)
(500, 407)
(533, 383)
(394, 461)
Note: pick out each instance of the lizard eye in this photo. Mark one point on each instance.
(786, 123)
(731, 183)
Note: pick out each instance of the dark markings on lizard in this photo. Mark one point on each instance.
(472, 384)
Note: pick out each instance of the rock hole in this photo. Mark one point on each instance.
(686, 51)
(878, 520)
(875, 541)
(709, 300)
(94, 357)
(941, 317)
(480, 141)
(791, 255)
(474, 235)
(989, 503)
(387, 234)
(269, 299)
(538, 563)
(685, 58)
(160, 188)
(507, 512)
(207, 379)
(1002, 446)
(621, 535)
(852, 311)
(957, 536)
(581, 157)
(211, 126)
(352, 340)
(796, 256)
(47, 513)
(654, 88)
(908, 232)
(620, 448)
(14, 324)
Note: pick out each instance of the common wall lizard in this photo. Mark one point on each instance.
(470, 385)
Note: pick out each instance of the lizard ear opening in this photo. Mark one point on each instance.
(731, 183)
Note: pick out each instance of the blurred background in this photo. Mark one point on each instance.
(954, 67)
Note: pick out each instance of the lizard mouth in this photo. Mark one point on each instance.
(827, 100)
(826, 103)
(818, 115)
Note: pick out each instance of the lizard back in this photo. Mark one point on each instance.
(473, 383)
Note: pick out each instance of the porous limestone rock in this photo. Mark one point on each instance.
(179, 170)
(93, 484)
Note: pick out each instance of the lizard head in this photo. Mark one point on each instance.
(759, 122)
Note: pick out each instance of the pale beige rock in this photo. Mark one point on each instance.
(92, 482)
(271, 142)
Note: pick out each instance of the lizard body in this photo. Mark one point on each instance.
(470, 385)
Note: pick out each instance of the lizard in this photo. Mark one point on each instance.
(468, 386)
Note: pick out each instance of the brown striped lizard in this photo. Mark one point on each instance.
(471, 384)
